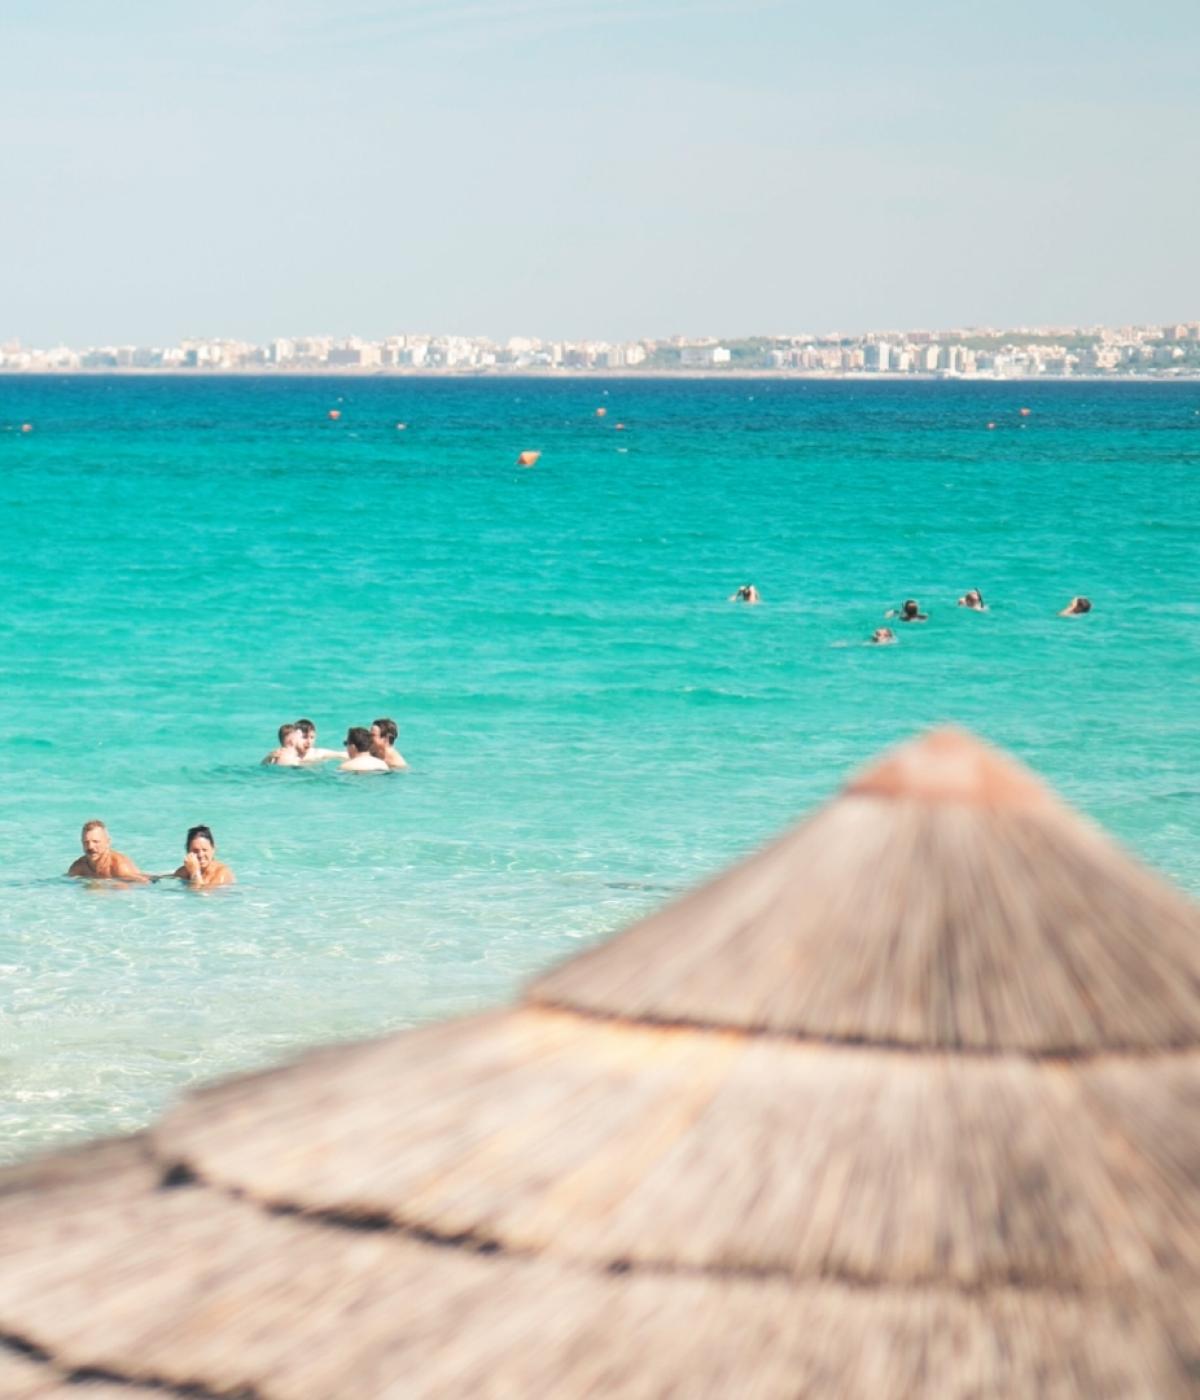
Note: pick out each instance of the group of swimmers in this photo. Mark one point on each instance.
(910, 609)
(370, 750)
(366, 750)
(200, 869)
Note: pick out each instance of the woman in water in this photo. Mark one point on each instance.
(1077, 607)
(201, 868)
(973, 599)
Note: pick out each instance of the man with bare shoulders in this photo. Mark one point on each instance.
(361, 759)
(100, 862)
(383, 743)
(307, 745)
(287, 755)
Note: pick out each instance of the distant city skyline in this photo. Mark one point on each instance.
(1169, 350)
(577, 168)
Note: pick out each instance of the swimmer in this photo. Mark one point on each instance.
(361, 759)
(309, 753)
(100, 862)
(883, 637)
(1077, 607)
(383, 743)
(201, 868)
(973, 599)
(910, 612)
(287, 755)
(746, 594)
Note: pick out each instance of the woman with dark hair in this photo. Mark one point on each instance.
(909, 612)
(201, 868)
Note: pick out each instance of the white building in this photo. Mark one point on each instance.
(703, 355)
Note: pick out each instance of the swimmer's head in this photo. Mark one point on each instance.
(911, 608)
(972, 598)
(200, 844)
(1082, 605)
(308, 734)
(358, 740)
(285, 733)
(95, 838)
(882, 635)
(385, 729)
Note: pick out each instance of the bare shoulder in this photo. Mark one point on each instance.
(79, 867)
(124, 868)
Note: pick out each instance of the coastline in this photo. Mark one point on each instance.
(551, 374)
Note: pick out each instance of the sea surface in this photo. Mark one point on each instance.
(591, 726)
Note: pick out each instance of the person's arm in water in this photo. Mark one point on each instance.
(395, 759)
(323, 755)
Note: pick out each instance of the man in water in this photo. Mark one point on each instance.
(309, 753)
(746, 594)
(883, 637)
(100, 862)
(1077, 607)
(973, 599)
(383, 743)
(361, 759)
(287, 755)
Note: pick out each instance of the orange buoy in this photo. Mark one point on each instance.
(335, 414)
(600, 412)
(1025, 412)
(527, 459)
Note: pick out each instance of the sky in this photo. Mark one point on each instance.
(572, 169)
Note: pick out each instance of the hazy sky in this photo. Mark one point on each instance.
(578, 168)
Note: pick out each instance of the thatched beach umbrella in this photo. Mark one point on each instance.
(904, 1105)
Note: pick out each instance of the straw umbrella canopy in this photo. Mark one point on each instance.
(903, 1105)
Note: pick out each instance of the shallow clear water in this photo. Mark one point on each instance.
(591, 726)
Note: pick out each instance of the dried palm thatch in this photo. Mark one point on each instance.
(907, 1104)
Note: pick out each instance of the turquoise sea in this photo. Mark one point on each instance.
(591, 726)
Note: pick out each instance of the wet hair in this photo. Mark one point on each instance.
(1083, 605)
(911, 607)
(975, 593)
(387, 729)
(285, 731)
(306, 727)
(359, 738)
(194, 831)
(91, 826)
